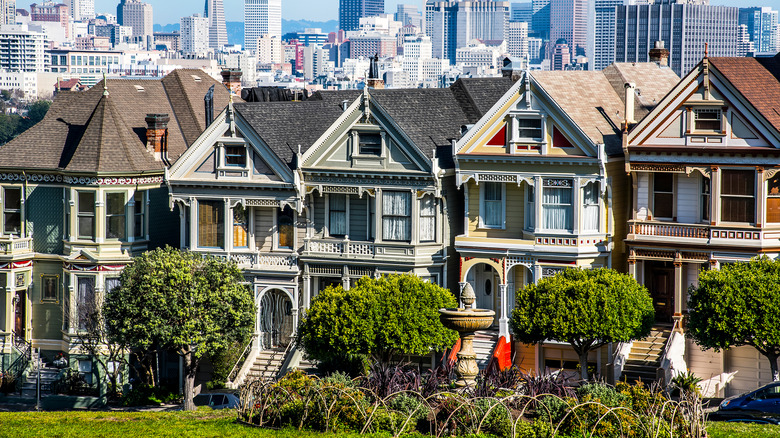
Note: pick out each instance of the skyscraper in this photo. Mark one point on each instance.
(540, 20)
(409, 15)
(215, 12)
(762, 27)
(138, 15)
(351, 11)
(569, 21)
(261, 17)
(684, 27)
(194, 34)
(452, 24)
(81, 10)
(7, 11)
(604, 33)
(522, 12)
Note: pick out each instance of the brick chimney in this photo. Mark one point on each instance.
(157, 135)
(231, 78)
(659, 54)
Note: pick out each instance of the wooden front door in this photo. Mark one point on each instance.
(662, 291)
(19, 314)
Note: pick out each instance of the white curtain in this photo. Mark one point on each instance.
(530, 209)
(427, 219)
(86, 300)
(590, 207)
(338, 215)
(396, 215)
(494, 212)
(556, 211)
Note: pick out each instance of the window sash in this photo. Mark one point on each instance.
(530, 213)
(663, 195)
(557, 208)
(707, 120)
(427, 219)
(86, 215)
(529, 128)
(337, 220)
(85, 300)
(115, 216)
(139, 208)
(235, 156)
(111, 283)
(493, 205)
(590, 217)
(396, 216)
(285, 224)
(211, 224)
(370, 144)
(738, 196)
(240, 227)
(705, 199)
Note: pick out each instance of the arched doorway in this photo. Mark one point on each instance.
(276, 319)
(485, 281)
(517, 277)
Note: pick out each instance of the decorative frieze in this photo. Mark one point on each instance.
(92, 268)
(556, 182)
(81, 180)
(15, 265)
(646, 167)
(262, 203)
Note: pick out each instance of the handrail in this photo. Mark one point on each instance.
(234, 371)
(668, 344)
(285, 359)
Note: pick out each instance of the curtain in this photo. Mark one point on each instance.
(338, 215)
(556, 209)
(590, 208)
(427, 219)
(494, 212)
(396, 216)
(86, 300)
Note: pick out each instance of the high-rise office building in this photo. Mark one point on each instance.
(409, 15)
(522, 12)
(138, 15)
(517, 39)
(603, 44)
(215, 12)
(762, 27)
(569, 21)
(194, 34)
(261, 17)
(81, 10)
(351, 11)
(540, 20)
(452, 24)
(684, 27)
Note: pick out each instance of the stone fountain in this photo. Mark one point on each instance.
(466, 321)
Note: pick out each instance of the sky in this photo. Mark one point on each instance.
(170, 11)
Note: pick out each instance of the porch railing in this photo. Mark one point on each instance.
(662, 229)
(260, 261)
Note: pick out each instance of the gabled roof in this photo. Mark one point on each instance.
(756, 82)
(652, 83)
(114, 131)
(477, 95)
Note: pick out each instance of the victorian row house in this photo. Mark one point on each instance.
(495, 182)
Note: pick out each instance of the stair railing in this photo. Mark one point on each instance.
(23, 351)
(286, 358)
(672, 361)
(237, 367)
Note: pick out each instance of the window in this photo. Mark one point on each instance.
(529, 128)
(705, 199)
(737, 198)
(773, 200)
(211, 224)
(86, 215)
(49, 286)
(240, 227)
(397, 216)
(530, 211)
(557, 204)
(139, 199)
(285, 224)
(590, 207)
(663, 195)
(427, 219)
(12, 210)
(370, 144)
(492, 214)
(66, 303)
(707, 120)
(86, 301)
(337, 220)
(235, 156)
(111, 284)
(85, 370)
(115, 216)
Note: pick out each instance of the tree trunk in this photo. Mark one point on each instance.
(584, 364)
(773, 366)
(190, 366)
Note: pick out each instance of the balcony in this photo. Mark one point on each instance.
(14, 246)
(666, 232)
(262, 261)
(381, 251)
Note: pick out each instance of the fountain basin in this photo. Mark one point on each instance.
(466, 320)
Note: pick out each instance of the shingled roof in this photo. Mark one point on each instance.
(477, 95)
(652, 83)
(87, 133)
(756, 82)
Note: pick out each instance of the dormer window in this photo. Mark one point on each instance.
(529, 128)
(370, 144)
(707, 120)
(235, 156)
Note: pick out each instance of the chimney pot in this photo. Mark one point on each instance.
(659, 54)
(231, 78)
(157, 134)
(630, 90)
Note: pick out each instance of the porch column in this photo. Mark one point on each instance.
(503, 320)
(306, 287)
(537, 272)
(295, 311)
(345, 278)
(678, 290)
(632, 268)
(760, 197)
(193, 223)
(182, 227)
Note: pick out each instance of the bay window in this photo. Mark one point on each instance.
(139, 210)
(557, 204)
(737, 199)
(240, 227)
(590, 207)
(492, 205)
(337, 217)
(211, 224)
(12, 210)
(85, 303)
(427, 218)
(86, 215)
(111, 284)
(773, 200)
(663, 195)
(115, 216)
(397, 216)
(530, 210)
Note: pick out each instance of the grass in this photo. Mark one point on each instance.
(208, 423)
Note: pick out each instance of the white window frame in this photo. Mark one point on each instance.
(482, 209)
(124, 214)
(597, 205)
(434, 216)
(144, 198)
(673, 217)
(695, 115)
(571, 205)
(20, 211)
(276, 246)
(79, 215)
(327, 215)
(529, 221)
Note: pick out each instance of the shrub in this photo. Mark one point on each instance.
(145, 395)
(686, 383)
(605, 394)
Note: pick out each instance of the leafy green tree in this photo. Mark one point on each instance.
(586, 308)
(182, 301)
(739, 304)
(36, 111)
(395, 314)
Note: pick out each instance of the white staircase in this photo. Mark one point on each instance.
(484, 344)
(266, 365)
(645, 357)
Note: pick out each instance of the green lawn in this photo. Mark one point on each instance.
(207, 423)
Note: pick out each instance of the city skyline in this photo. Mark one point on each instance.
(168, 12)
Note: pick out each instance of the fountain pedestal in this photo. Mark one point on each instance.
(466, 321)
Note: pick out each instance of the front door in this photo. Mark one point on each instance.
(20, 315)
(662, 291)
(276, 321)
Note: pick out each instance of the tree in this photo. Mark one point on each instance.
(587, 308)
(378, 317)
(182, 301)
(738, 305)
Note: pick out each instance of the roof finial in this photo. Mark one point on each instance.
(105, 85)
(706, 49)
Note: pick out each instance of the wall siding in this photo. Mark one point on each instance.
(264, 229)
(515, 219)
(643, 193)
(620, 187)
(45, 218)
(358, 217)
(688, 199)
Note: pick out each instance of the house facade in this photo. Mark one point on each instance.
(704, 192)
